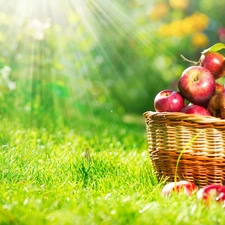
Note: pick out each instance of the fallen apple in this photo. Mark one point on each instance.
(195, 109)
(184, 186)
(168, 101)
(213, 192)
(214, 62)
(216, 106)
(197, 85)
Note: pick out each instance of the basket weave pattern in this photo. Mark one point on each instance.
(199, 141)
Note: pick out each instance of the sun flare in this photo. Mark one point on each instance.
(59, 51)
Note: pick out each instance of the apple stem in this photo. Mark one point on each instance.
(190, 61)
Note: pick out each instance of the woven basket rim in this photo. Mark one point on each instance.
(184, 117)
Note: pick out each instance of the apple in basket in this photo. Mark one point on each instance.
(195, 109)
(214, 62)
(216, 106)
(197, 85)
(184, 186)
(168, 101)
(219, 88)
(212, 192)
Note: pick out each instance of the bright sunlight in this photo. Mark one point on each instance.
(64, 56)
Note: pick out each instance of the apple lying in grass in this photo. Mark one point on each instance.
(214, 62)
(168, 101)
(216, 106)
(213, 192)
(184, 186)
(195, 109)
(197, 85)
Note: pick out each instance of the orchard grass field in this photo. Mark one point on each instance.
(94, 173)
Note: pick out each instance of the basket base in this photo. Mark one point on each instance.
(202, 172)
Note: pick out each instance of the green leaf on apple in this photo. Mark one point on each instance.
(215, 48)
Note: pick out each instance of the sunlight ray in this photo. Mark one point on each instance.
(61, 59)
(76, 77)
(84, 56)
(120, 30)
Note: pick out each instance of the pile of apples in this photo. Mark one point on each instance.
(208, 194)
(199, 91)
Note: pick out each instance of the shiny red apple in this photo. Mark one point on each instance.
(168, 101)
(197, 85)
(195, 109)
(212, 192)
(184, 186)
(214, 62)
(216, 106)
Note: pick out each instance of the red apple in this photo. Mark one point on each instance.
(214, 62)
(184, 186)
(197, 85)
(216, 106)
(212, 192)
(221, 198)
(219, 88)
(195, 109)
(168, 101)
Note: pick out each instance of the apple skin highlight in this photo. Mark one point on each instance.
(197, 85)
(195, 109)
(168, 101)
(211, 192)
(214, 62)
(188, 188)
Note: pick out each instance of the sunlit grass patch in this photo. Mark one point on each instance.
(45, 174)
(106, 177)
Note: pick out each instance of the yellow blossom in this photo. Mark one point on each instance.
(176, 28)
(158, 11)
(164, 30)
(200, 40)
(179, 4)
(200, 21)
(195, 23)
(187, 25)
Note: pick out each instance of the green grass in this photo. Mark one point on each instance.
(99, 174)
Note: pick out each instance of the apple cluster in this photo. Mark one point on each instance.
(207, 194)
(199, 91)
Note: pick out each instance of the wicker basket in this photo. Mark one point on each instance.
(187, 147)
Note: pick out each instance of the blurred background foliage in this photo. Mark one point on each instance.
(85, 59)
